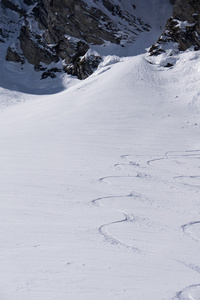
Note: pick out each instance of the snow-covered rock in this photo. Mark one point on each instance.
(182, 29)
(53, 31)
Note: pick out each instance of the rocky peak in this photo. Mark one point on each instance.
(62, 31)
(182, 29)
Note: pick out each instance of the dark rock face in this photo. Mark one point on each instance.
(82, 68)
(73, 18)
(182, 28)
(52, 31)
(33, 49)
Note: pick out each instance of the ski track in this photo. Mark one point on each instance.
(194, 105)
(186, 179)
(103, 229)
(187, 229)
(138, 175)
(191, 292)
(190, 266)
(149, 162)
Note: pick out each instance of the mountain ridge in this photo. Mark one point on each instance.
(64, 37)
(182, 29)
(63, 31)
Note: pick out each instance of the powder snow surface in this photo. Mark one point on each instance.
(100, 185)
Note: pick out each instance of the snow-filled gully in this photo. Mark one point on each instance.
(174, 165)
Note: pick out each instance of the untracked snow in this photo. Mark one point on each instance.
(100, 185)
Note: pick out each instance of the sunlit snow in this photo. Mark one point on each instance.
(100, 185)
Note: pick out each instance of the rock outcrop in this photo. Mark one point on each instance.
(57, 35)
(183, 28)
(62, 31)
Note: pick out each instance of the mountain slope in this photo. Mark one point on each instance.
(100, 187)
(182, 31)
(53, 38)
(100, 183)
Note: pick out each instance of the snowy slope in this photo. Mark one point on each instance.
(100, 185)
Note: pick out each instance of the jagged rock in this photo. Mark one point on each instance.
(52, 31)
(73, 18)
(33, 48)
(50, 73)
(11, 5)
(84, 67)
(13, 55)
(183, 28)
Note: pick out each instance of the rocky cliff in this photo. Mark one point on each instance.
(61, 32)
(182, 29)
(57, 35)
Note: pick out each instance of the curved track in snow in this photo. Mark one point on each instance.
(108, 179)
(104, 229)
(175, 165)
(178, 162)
(192, 181)
(190, 293)
(192, 229)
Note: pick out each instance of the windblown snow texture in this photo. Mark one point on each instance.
(100, 179)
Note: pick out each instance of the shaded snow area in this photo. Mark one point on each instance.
(100, 187)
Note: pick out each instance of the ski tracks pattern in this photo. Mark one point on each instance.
(185, 161)
(141, 169)
(103, 229)
(114, 240)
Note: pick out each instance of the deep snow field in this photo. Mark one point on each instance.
(100, 185)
